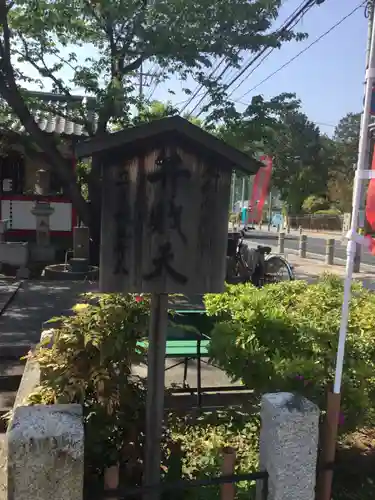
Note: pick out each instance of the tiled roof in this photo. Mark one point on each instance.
(57, 114)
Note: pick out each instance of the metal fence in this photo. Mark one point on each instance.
(182, 486)
(317, 222)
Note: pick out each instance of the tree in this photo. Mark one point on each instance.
(183, 38)
(255, 128)
(347, 132)
(314, 203)
(300, 160)
(345, 143)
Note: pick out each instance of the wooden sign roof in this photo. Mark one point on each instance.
(170, 128)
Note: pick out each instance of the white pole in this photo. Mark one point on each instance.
(233, 192)
(351, 248)
(243, 198)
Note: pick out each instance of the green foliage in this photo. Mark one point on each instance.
(234, 218)
(300, 167)
(344, 159)
(258, 126)
(89, 362)
(329, 211)
(284, 337)
(203, 441)
(314, 203)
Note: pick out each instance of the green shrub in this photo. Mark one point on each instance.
(89, 362)
(313, 203)
(284, 338)
(234, 218)
(329, 211)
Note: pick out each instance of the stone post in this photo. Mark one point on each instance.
(288, 446)
(281, 242)
(81, 242)
(46, 453)
(302, 246)
(330, 251)
(42, 211)
(42, 183)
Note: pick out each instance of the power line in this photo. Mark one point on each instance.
(270, 50)
(267, 54)
(307, 5)
(197, 92)
(303, 50)
(198, 88)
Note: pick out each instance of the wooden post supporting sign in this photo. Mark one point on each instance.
(155, 389)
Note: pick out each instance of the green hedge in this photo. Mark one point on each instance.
(284, 338)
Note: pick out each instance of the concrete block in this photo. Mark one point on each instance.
(46, 453)
(288, 446)
(14, 253)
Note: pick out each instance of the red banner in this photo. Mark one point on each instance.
(370, 206)
(260, 190)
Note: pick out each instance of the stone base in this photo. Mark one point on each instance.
(42, 254)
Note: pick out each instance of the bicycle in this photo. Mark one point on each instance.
(257, 266)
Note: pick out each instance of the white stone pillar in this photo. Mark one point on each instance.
(46, 453)
(288, 446)
(42, 211)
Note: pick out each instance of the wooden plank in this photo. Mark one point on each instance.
(164, 234)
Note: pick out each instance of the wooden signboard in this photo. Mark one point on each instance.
(164, 224)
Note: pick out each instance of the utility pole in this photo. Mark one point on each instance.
(270, 207)
(233, 192)
(243, 200)
(362, 191)
(141, 82)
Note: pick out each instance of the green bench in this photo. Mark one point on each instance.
(187, 344)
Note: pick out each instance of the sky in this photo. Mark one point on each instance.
(328, 78)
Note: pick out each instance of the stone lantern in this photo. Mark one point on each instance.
(42, 211)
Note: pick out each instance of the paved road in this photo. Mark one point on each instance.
(314, 245)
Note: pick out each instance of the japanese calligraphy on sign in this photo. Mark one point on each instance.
(121, 222)
(166, 213)
(164, 223)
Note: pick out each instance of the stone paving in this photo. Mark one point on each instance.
(310, 270)
(36, 302)
(8, 287)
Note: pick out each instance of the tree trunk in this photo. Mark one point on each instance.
(95, 205)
